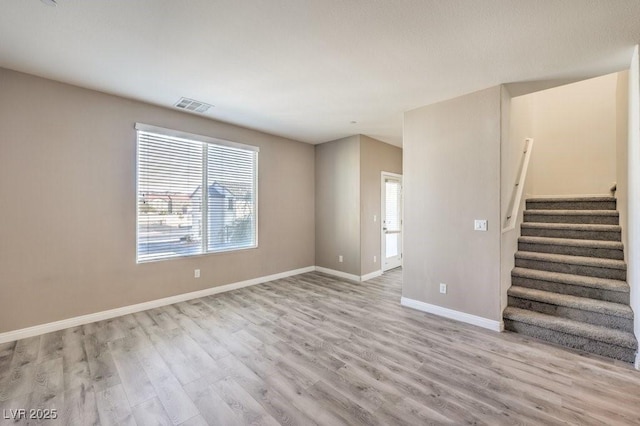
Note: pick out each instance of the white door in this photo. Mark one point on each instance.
(391, 221)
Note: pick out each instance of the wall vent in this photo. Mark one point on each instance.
(191, 105)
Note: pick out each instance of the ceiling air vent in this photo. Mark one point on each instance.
(191, 105)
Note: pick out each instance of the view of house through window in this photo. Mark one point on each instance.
(175, 216)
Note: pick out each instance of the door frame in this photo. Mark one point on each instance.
(397, 176)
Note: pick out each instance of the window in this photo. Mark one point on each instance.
(195, 194)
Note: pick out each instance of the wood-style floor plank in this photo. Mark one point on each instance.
(80, 406)
(135, 381)
(9, 409)
(151, 413)
(113, 406)
(304, 350)
(213, 408)
(242, 403)
(170, 393)
(101, 366)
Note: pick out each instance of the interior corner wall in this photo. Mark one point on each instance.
(575, 136)
(68, 216)
(622, 132)
(451, 162)
(517, 126)
(337, 189)
(509, 157)
(375, 157)
(633, 191)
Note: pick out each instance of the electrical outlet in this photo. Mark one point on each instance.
(375, 217)
(375, 259)
(480, 225)
(340, 259)
(196, 273)
(443, 288)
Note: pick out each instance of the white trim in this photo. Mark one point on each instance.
(347, 276)
(451, 314)
(339, 274)
(399, 177)
(125, 310)
(371, 275)
(637, 363)
(192, 136)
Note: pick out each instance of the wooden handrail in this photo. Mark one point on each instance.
(518, 189)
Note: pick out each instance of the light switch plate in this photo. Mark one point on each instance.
(480, 225)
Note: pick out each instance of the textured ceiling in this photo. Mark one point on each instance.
(306, 69)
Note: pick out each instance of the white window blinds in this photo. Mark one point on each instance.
(196, 194)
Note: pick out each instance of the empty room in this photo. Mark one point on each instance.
(319, 212)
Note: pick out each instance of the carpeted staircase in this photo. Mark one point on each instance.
(569, 282)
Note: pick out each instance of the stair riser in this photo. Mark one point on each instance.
(572, 290)
(571, 341)
(567, 268)
(595, 318)
(572, 234)
(572, 251)
(571, 205)
(587, 219)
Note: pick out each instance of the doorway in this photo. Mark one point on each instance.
(391, 221)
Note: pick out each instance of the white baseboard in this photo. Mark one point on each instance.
(339, 274)
(125, 310)
(454, 315)
(371, 275)
(637, 363)
(351, 277)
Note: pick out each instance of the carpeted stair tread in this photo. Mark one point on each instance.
(576, 328)
(578, 231)
(573, 226)
(575, 302)
(572, 203)
(570, 199)
(563, 215)
(572, 246)
(572, 260)
(570, 279)
(612, 245)
(573, 212)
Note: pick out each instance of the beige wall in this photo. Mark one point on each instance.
(517, 125)
(347, 196)
(68, 224)
(510, 154)
(575, 134)
(451, 161)
(337, 182)
(633, 191)
(521, 127)
(622, 131)
(375, 157)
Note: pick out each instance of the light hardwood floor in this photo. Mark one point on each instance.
(308, 350)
